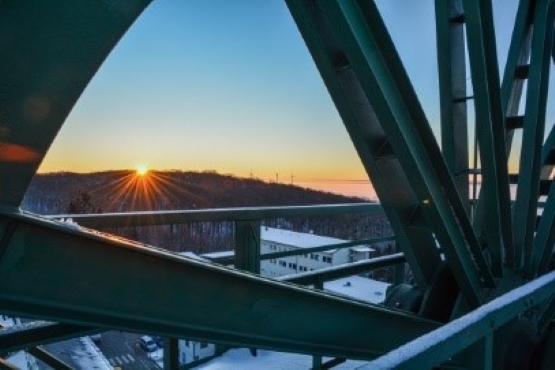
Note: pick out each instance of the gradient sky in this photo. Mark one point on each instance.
(230, 86)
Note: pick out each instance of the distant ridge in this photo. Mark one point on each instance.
(124, 190)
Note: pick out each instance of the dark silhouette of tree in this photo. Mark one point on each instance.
(82, 203)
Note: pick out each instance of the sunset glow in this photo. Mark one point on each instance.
(141, 170)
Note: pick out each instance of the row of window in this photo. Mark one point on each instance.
(312, 256)
(282, 263)
(293, 266)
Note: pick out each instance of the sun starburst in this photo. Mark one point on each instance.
(141, 170)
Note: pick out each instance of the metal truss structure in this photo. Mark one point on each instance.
(484, 291)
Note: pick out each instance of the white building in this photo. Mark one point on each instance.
(279, 240)
(191, 351)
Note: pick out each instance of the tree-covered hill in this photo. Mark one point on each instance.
(116, 191)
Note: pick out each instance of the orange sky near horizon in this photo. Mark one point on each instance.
(235, 91)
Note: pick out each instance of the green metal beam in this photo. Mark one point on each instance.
(247, 246)
(61, 273)
(497, 231)
(517, 60)
(397, 197)
(369, 50)
(171, 354)
(50, 50)
(49, 359)
(545, 235)
(511, 92)
(149, 218)
(327, 247)
(438, 346)
(15, 338)
(548, 154)
(452, 92)
(527, 193)
(341, 271)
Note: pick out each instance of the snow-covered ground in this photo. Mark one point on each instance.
(357, 287)
(20, 359)
(87, 356)
(241, 358)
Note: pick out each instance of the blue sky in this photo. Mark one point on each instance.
(230, 86)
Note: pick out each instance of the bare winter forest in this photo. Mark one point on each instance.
(125, 191)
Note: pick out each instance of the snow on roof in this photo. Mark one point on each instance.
(363, 248)
(359, 287)
(300, 240)
(241, 358)
(191, 255)
(20, 360)
(218, 254)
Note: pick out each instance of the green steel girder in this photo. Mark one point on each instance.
(548, 155)
(397, 198)
(49, 359)
(453, 93)
(366, 69)
(497, 232)
(90, 279)
(171, 354)
(267, 256)
(247, 246)
(150, 218)
(527, 194)
(511, 92)
(341, 271)
(545, 235)
(517, 58)
(14, 338)
(440, 345)
(50, 50)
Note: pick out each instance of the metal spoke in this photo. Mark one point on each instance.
(526, 203)
(397, 197)
(359, 27)
(490, 130)
(545, 235)
(453, 94)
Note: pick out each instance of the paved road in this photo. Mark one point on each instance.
(121, 349)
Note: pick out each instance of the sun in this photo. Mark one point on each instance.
(141, 170)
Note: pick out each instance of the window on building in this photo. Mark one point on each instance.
(282, 263)
(326, 259)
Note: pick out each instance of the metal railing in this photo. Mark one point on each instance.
(247, 255)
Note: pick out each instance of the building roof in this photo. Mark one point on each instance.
(363, 248)
(295, 239)
(358, 287)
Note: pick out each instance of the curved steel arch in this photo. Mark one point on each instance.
(50, 51)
